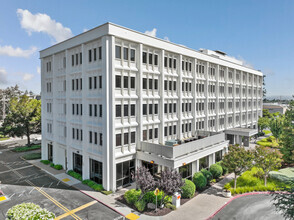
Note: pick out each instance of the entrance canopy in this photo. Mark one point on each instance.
(246, 132)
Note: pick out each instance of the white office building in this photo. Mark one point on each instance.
(114, 99)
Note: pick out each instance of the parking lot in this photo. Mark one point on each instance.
(23, 182)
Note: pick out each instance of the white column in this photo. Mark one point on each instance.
(180, 121)
(161, 103)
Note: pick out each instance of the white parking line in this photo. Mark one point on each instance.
(7, 171)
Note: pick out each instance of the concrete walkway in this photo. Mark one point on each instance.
(200, 207)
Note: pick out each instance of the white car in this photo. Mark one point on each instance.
(37, 141)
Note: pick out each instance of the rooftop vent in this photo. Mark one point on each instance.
(220, 52)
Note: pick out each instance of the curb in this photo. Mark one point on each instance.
(233, 198)
(77, 189)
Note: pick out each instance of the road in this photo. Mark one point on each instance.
(22, 182)
(253, 207)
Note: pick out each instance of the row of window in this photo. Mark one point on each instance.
(152, 59)
(77, 109)
(76, 59)
(94, 53)
(128, 54)
(186, 127)
(93, 110)
(127, 82)
(94, 81)
(49, 107)
(148, 134)
(49, 87)
(152, 83)
(170, 108)
(187, 66)
(186, 107)
(172, 130)
(186, 87)
(150, 107)
(48, 66)
(170, 62)
(77, 134)
(77, 84)
(93, 138)
(127, 111)
(171, 85)
(127, 139)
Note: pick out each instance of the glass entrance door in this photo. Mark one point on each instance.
(78, 163)
(96, 171)
(123, 173)
(50, 152)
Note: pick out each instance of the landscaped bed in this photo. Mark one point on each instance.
(26, 148)
(32, 156)
(268, 142)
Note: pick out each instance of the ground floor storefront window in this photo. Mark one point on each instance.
(96, 171)
(218, 156)
(203, 163)
(78, 163)
(186, 171)
(123, 173)
(152, 167)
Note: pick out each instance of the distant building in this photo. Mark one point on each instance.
(275, 107)
(114, 99)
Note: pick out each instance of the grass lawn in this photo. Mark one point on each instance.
(24, 149)
(251, 180)
(266, 132)
(32, 156)
(268, 142)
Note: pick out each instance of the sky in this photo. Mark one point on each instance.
(261, 33)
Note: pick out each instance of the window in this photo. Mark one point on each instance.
(77, 84)
(126, 138)
(100, 82)
(100, 53)
(126, 110)
(150, 109)
(90, 55)
(126, 82)
(156, 133)
(132, 82)
(144, 83)
(144, 109)
(150, 58)
(118, 139)
(81, 83)
(81, 58)
(73, 133)
(150, 134)
(72, 60)
(170, 62)
(144, 57)
(100, 139)
(165, 131)
(156, 84)
(126, 53)
(133, 137)
(118, 110)
(95, 54)
(100, 111)
(118, 52)
(90, 82)
(118, 81)
(144, 135)
(133, 54)
(73, 84)
(96, 171)
(156, 109)
(133, 108)
(155, 59)
(95, 138)
(150, 83)
(77, 59)
(90, 137)
(95, 82)
(175, 63)
(165, 61)
(95, 110)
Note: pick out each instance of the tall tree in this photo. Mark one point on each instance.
(23, 118)
(263, 123)
(237, 161)
(267, 159)
(287, 138)
(266, 113)
(276, 127)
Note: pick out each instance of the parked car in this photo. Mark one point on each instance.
(37, 141)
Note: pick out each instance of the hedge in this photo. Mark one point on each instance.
(75, 175)
(32, 156)
(26, 148)
(29, 211)
(216, 171)
(199, 180)
(188, 190)
(45, 162)
(207, 174)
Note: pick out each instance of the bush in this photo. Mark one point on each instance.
(32, 156)
(45, 162)
(28, 211)
(216, 171)
(170, 206)
(140, 205)
(51, 164)
(199, 180)
(188, 190)
(149, 197)
(58, 167)
(75, 175)
(106, 192)
(207, 174)
(225, 169)
(93, 185)
(132, 196)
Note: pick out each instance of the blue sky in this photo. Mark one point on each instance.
(259, 32)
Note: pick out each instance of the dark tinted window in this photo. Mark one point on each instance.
(118, 110)
(126, 82)
(155, 59)
(118, 52)
(126, 53)
(132, 82)
(133, 54)
(126, 110)
(144, 57)
(118, 81)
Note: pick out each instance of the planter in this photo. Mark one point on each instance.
(227, 193)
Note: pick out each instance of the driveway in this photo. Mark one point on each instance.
(253, 207)
(23, 182)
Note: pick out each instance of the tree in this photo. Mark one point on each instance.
(283, 201)
(237, 161)
(144, 180)
(266, 113)
(170, 182)
(276, 127)
(23, 118)
(287, 137)
(263, 123)
(267, 159)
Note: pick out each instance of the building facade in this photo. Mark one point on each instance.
(114, 99)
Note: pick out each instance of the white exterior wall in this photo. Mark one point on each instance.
(107, 36)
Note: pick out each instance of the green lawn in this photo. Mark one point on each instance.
(25, 148)
(268, 142)
(32, 156)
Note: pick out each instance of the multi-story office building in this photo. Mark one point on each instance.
(114, 99)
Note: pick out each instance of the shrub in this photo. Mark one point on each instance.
(199, 180)
(99, 188)
(132, 196)
(106, 192)
(32, 156)
(170, 206)
(51, 164)
(213, 181)
(225, 169)
(207, 174)
(216, 170)
(140, 205)
(188, 190)
(93, 185)
(58, 167)
(45, 162)
(149, 197)
(75, 175)
(167, 199)
(28, 211)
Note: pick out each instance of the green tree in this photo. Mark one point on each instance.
(267, 159)
(237, 161)
(276, 127)
(266, 113)
(287, 138)
(263, 123)
(23, 118)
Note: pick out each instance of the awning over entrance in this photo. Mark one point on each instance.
(246, 132)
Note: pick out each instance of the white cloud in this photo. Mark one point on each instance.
(27, 76)
(38, 70)
(3, 76)
(151, 33)
(166, 38)
(43, 23)
(17, 52)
